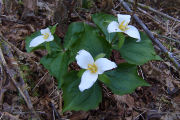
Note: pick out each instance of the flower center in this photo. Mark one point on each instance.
(46, 35)
(122, 26)
(92, 68)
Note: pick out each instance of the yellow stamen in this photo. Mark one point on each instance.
(46, 35)
(92, 68)
(123, 27)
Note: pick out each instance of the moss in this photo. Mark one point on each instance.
(26, 73)
(20, 2)
(35, 94)
(88, 3)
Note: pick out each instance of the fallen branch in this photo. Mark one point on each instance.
(6, 115)
(155, 11)
(14, 73)
(168, 38)
(148, 32)
(56, 112)
(2, 82)
(156, 21)
(19, 52)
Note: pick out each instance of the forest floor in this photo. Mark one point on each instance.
(160, 101)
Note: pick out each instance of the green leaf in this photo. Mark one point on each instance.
(48, 48)
(82, 36)
(53, 28)
(104, 78)
(101, 55)
(55, 45)
(102, 21)
(57, 65)
(138, 52)
(124, 79)
(121, 39)
(117, 44)
(81, 72)
(76, 100)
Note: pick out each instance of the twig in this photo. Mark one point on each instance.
(56, 112)
(1, 116)
(135, 6)
(2, 79)
(153, 10)
(3, 61)
(148, 32)
(40, 81)
(54, 116)
(53, 91)
(140, 69)
(154, 19)
(8, 116)
(16, 75)
(82, 19)
(15, 48)
(117, 5)
(168, 38)
(41, 112)
(9, 19)
(60, 102)
(140, 115)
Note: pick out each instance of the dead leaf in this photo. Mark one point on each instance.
(79, 115)
(30, 4)
(176, 103)
(9, 116)
(127, 99)
(169, 84)
(171, 116)
(107, 5)
(153, 115)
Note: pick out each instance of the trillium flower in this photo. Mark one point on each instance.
(45, 36)
(122, 26)
(93, 68)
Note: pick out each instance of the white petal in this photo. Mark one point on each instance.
(37, 41)
(84, 58)
(50, 38)
(133, 32)
(87, 80)
(138, 40)
(104, 64)
(47, 30)
(113, 27)
(122, 18)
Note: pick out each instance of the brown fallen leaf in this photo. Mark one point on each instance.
(153, 115)
(127, 99)
(169, 84)
(30, 6)
(107, 5)
(8, 116)
(171, 116)
(176, 103)
(79, 115)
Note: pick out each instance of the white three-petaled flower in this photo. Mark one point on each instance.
(93, 68)
(122, 26)
(45, 36)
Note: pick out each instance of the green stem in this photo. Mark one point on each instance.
(119, 43)
(113, 40)
(48, 47)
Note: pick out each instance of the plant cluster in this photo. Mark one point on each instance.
(91, 47)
